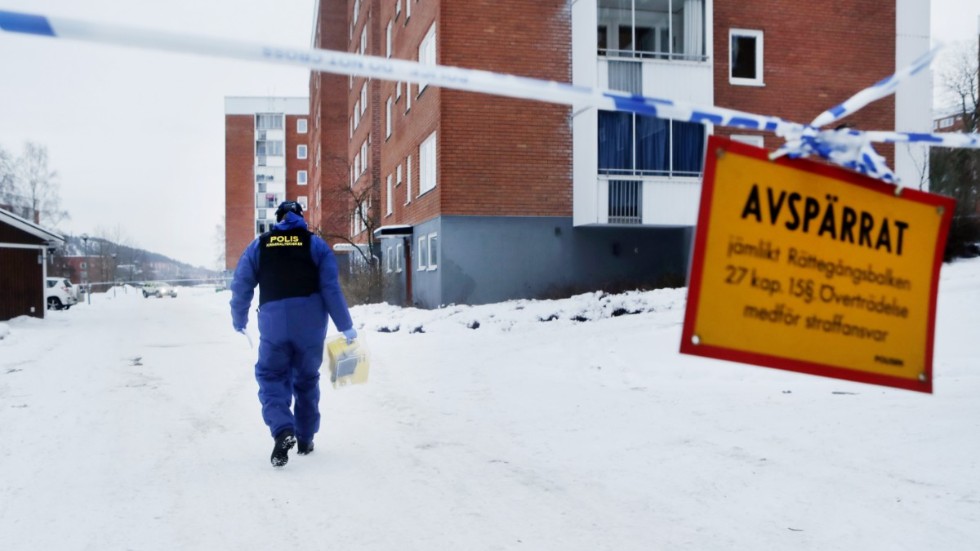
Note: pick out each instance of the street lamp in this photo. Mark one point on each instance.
(88, 289)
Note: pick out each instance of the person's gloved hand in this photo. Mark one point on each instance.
(351, 334)
(239, 325)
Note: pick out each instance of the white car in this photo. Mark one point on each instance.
(159, 291)
(60, 294)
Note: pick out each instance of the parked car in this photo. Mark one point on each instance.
(60, 294)
(159, 290)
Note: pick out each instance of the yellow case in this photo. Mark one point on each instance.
(349, 363)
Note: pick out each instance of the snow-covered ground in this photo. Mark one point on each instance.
(133, 423)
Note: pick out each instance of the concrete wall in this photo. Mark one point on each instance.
(489, 259)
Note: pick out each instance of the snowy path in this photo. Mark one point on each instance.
(133, 424)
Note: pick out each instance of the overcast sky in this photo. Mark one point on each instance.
(137, 136)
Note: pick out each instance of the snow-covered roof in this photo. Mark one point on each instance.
(22, 224)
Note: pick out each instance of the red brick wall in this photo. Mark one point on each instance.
(293, 163)
(410, 126)
(239, 186)
(501, 156)
(495, 156)
(329, 112)
(817, 54)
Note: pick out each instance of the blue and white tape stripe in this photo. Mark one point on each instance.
(847, 148)
(881, 89)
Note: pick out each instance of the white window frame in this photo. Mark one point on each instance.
(427, 52)
(388, 39)
(408, 179)
(304, 202)
(364, 156)
(433, 263)
(398, 8)
(759, 57)
(399, 257)
(389, 257)
(364, 98)
(301, 177)
(422, 252)
(302, 126)
(398, 175)
(301, 151)
(388, 105)
(427, 165)
(398, 90)
(388, 197)
(750, 139)
(408, 10)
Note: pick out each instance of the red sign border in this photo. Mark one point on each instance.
(716, 145)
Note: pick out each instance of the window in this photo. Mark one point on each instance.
(389, 259)
(303, 202)
(408, 10)
(398, 90)
(364, 156)
(363, 40)
(300, 151)
(399, 257)
(427, 164)
(301, 126)
(301, 177)
(640, 145)
(422, 253)
(745, 55)
(408, 180)
(398, 8)
(408, 97)
(388, 118)
(433, 250)
(269, 148)
(388, 197)
(357, 166)
(357, 9)
(388, 40)
(666, 29)
(268, 121)
(364, 98)
(427, 51)
(398, 175)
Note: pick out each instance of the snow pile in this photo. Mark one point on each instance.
(133, 423)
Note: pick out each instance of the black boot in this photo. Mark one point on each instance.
(284, 442)
(305, 447)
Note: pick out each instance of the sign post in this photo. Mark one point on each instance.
(808, 267)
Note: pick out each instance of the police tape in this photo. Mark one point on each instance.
(846, 147)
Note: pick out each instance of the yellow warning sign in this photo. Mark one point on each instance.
(808, 267)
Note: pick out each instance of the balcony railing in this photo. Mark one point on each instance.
(625, 202)
(641, 55)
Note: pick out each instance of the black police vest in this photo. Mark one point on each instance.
(286, 267)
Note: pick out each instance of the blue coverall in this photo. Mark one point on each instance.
(291, 335)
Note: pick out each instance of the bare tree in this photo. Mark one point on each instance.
(956, 172)
(356, 210)
(959, 81)
(219, 245)
(7, 180)
(37, 186)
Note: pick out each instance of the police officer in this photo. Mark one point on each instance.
(297, 277)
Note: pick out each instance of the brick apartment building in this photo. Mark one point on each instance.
(266, 161)
(481, 198)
